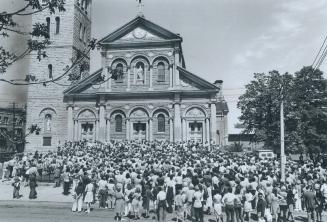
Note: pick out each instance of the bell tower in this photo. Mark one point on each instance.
(70, 32)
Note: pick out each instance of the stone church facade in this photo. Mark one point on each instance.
(154, 96)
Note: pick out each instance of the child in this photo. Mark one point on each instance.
(16, 185)
(217, 207)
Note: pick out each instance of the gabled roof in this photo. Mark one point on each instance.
(84, 83)
(140, 21)
(196, 79)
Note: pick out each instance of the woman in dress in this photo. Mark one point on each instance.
(88, 195)
(33, 185)
(119, 204)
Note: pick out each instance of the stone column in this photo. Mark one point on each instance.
(75, 130)
(102, 123)
(128, 78)
(70, 125)
(207, 129)
(108, 130)
(128, 127)
(96, 131)
(171, 75)
(177, 122)
(79, 131)
(150, 129)
(176, 63)
(171, 130)
(107, 71)
(213, 121)
(151, 77)
(184, 129)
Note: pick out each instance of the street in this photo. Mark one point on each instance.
(27, 211)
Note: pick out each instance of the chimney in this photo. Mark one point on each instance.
(219, 84)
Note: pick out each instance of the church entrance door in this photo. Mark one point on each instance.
(139, 131)
(87, 131)
(195, 131)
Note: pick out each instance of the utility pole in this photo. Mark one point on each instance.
(282, 143)
(13, 120)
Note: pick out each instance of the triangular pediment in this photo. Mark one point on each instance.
(190, 81)
(88, 85)
(139, 34)
(140, 30)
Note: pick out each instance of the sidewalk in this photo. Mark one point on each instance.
(45, 192)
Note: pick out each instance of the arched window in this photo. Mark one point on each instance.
(161, 123)
(120, 72)
(80, 31)
(50, 71)
(83, 35)
(57, 25)
(161, 71)
(119, 123)
(47, 122)
(48, 26)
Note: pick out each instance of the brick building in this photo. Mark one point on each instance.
(154, 97)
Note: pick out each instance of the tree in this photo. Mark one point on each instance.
(304, 96)
(39, 34)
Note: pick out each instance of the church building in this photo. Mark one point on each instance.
(152, 97)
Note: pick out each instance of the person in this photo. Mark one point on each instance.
(261, 207)
(217, 207)
(228, 200)
(78, 197)
(179, 204)
(310, 202)
(33, 185)
(56, 177)
(238, 206)
(88, 199)
(136, 203)
(197, 204)
(146, 201)
(170, 184)
(103, 192)
(290, 202)
(16, 185)
(274, 204)
(161, 205)
(319, 203)
(66, 179)
(111, 194)
(283, 206)
(247, 204)
(119, 204)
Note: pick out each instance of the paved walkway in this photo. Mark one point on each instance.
(52, 198)
(45, 192)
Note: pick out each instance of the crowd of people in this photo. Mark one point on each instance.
(186, 179)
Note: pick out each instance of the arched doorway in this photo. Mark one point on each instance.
(194, 125)
(139, 125)
(87, 125)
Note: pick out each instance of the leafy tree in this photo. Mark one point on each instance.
(236, 147)
(304, 95)
(39, 34)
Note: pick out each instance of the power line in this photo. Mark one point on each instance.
(314, 61)
(320, 56)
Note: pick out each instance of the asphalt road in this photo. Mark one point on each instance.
(24, 211)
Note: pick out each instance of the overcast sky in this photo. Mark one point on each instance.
(227, 39)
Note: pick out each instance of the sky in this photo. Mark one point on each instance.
(227, 39)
